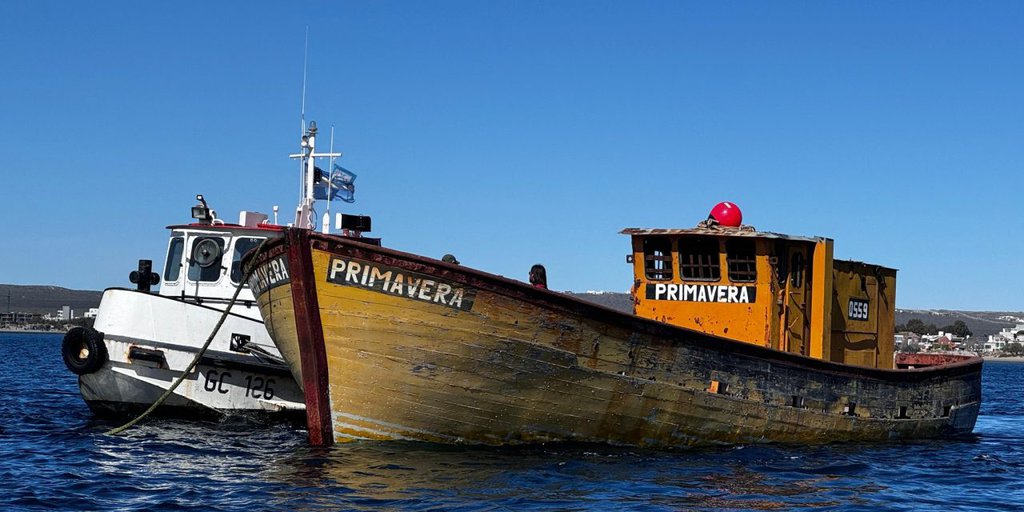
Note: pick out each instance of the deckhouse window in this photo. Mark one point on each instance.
(658, 258)
(698, 259)
(205, 261)
(242, 246)
(741, 258)
(172, 267)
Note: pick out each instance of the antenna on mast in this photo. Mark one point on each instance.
(311, 176)
(302, 114)
(330, 172)
(305, 61)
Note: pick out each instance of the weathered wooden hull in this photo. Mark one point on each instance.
(468, 357)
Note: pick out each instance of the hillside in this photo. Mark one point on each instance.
(981, 323)
(614, 300)
(46, 299)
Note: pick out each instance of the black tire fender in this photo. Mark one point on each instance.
(83, 350)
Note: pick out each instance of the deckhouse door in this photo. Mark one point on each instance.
(796, 314)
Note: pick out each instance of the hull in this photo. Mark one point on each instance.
(151, 339)
(209, 393)
(390, 345)
(905, 360)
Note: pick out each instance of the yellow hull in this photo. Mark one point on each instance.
(403, 347)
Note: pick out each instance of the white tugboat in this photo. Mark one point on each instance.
(142, 342)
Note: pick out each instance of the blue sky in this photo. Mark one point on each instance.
(511, 133)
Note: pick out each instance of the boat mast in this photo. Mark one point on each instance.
(304, 212)
(307, 156)
(326, 226)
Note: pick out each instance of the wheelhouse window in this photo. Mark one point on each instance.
(172, 267)
(796, 272)
(698, 259)
(658, 258)
(242, 246)
(205, 263)
(741, 258)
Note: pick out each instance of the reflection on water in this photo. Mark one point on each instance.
(585, 478)
(55, 455)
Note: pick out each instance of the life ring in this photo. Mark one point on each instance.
(83, 350)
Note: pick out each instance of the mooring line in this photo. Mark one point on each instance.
(199, 355)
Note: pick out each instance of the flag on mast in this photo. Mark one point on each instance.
(340, 185)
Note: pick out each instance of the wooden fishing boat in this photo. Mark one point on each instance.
(737, 336)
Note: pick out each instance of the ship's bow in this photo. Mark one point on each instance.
(281, 279)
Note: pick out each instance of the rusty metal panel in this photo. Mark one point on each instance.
(863, 314)
(739, 310)
(821, 299)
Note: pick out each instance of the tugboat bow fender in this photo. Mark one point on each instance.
(83, 350)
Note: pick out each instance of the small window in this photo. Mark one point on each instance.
(796, 270)
(698, 259)
(205, 261)
(242, 246)
(658, 258)
(741, 258)
(172, 267)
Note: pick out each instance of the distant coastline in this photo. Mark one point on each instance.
(29, 331)
(1011, 359)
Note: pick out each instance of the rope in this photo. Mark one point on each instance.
(195, 361)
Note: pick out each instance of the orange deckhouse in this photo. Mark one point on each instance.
(777, 291)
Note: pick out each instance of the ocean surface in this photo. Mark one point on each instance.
(55, 455)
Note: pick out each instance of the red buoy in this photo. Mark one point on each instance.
(727, 214)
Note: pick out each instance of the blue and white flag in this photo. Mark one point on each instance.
(341, 185)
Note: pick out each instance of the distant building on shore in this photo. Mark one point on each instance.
(1006, 336)
(904, 340)
(64, 314)
(19, 318)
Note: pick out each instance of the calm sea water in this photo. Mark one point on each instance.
(54, 455)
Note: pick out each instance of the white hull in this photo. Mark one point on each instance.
(208, 391)
(151, 339)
